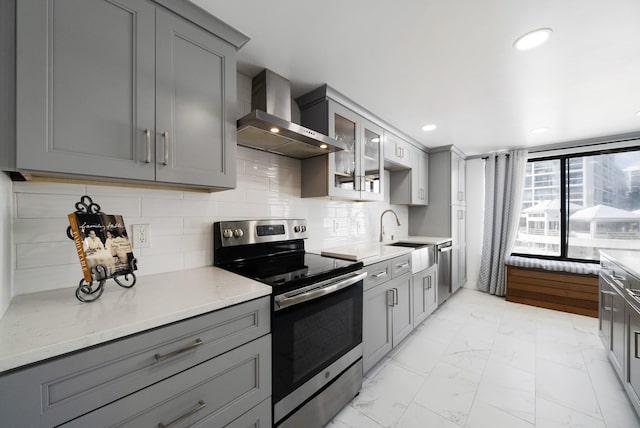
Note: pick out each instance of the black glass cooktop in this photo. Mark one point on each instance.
(286, 272)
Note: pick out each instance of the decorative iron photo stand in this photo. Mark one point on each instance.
(91, 291)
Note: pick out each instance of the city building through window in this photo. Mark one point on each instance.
(575, 205)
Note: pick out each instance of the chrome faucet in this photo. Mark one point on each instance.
(382, 215)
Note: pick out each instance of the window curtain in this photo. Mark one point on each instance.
(504, 176)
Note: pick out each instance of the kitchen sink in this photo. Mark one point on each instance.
(422, 258)
(407, 244)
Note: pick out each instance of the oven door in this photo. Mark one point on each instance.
(314, 328)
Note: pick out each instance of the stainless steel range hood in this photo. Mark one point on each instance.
(268, 127)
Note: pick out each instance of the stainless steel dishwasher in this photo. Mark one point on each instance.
(443, 259)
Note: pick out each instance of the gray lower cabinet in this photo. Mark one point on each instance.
(213, 368)
(387, 308)
(632, 380)
(612, 323)
(124, 90)
(213, 393)
(425, 299)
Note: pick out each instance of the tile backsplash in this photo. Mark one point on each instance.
(180, 221)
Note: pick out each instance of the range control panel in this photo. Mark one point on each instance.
(247, 232)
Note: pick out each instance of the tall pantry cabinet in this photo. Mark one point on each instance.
(446, 213)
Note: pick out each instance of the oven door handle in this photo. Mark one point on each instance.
(283, 301)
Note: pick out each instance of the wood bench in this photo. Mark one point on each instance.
(563, 291)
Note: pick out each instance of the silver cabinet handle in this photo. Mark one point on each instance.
(390, 298)
(159, 358)
(635, 338)
(395, 296)
(165, 136)
(201, 405)
(147, 133)
(379, 274)
(402, 266)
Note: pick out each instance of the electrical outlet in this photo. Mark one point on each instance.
(141, 236)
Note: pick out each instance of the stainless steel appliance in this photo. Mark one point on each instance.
(443, 259)
(268, 127)
(316, 322)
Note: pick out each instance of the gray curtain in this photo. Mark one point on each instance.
(504, 176)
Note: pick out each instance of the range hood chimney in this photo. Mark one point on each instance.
(268, 127)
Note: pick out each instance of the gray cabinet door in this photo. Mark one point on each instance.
(618, 334)
(605, 314)
(195, 105)
(424, 295)
(377, 335)
(632, 382)
(85, 86)
(402, 308)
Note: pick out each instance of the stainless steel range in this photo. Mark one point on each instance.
(316, 317)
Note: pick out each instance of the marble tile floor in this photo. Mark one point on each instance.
(482, 362)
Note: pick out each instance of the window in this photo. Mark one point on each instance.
(575, 205)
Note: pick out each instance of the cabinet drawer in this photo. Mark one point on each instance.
(377, 273)
(401, 265)
(64, 388)
(212, 394)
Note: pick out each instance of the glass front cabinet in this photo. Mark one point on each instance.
(355, 173)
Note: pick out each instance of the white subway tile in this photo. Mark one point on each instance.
(45, 254)
(96, 191)
(39, 230)
(47, 278)
(159, 263)
(49, 187)
(162, 208)
(158, 226)
(198, 258)
(127, 206)
(37, 205)
(198, 225)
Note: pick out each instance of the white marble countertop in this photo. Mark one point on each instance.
(628, 259)
(51, 323)
(374, 252)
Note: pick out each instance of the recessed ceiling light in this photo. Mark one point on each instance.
(429, 127)
(274, 130)
(539, 130)
(638, 113)
(323, 146)
(532, 39)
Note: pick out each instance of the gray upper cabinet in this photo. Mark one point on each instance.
(410, 186)
(397, 152)
(123, 90)
(355, 173)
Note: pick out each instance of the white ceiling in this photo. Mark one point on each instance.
(451, 62)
